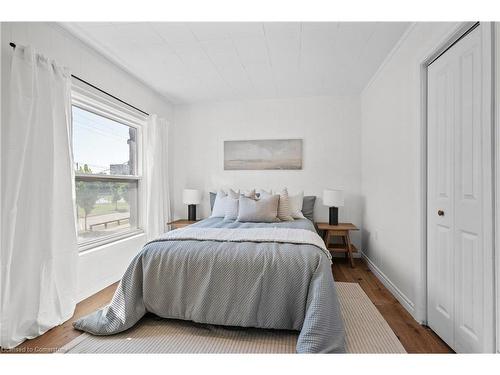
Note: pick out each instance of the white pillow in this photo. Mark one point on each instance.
(231, 208)
(284, 212)
(296, 202)
(220, 204)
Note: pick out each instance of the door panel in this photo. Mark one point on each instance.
(455, 243)
(469, 291)
(440, 193)
(468, 152)
(444, 286)
(469, 198)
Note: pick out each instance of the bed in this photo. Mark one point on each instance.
(263, 275)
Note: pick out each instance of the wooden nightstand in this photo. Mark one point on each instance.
(341, 230)
(176, 224)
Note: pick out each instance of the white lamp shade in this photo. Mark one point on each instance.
(333, 198)
(191, 196)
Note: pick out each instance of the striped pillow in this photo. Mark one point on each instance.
(284, 209)
(296, 202)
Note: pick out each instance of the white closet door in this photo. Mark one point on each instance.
(456, 198)
(440, 194)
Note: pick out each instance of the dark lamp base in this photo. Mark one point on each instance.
(192, 212)
(334, 216)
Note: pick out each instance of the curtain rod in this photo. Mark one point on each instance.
(13, 45)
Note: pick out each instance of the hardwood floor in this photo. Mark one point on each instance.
(414, 337)
(58, 336)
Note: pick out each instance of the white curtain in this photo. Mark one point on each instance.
(157, 177)
(39, 244)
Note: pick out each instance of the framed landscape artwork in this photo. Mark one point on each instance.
(263, 154)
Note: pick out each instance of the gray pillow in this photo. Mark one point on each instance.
(212, 200)
(308, 207)
(264, 210)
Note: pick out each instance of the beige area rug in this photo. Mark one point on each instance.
(366, 332)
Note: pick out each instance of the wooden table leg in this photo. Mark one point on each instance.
(345, 244)
(349, 249)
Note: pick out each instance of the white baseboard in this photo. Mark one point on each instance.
(400, 296)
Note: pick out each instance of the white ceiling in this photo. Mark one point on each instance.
(200, 61)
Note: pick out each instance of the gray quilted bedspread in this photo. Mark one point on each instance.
(247, 284)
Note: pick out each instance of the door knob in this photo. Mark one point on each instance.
(440, 212)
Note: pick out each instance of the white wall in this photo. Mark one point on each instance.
(390, 107)
(105, 265)
(330, 129)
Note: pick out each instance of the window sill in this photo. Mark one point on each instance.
(97, 244)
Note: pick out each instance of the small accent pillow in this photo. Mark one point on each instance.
(236, 194)
(264, 210)
(284, 212)
(308, 207)
(263, 193)
(296, 202)
(249, 194)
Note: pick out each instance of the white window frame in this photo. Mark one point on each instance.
(91, 100)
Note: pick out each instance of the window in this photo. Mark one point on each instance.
(107, 182)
